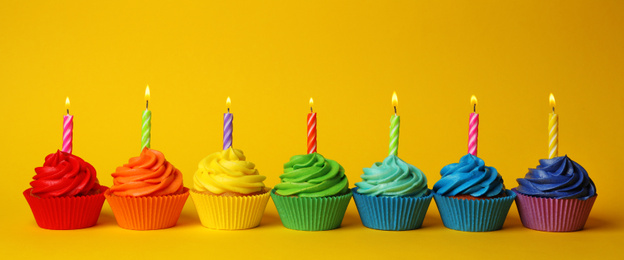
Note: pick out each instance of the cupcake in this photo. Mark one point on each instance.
(471, 196)
(393, 195)
(556, 196)
(147, 192)
(313, 195)
(65, 193)
(228, 192)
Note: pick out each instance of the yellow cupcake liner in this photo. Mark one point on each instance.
(230, 212)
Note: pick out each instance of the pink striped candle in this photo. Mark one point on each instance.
(68, 129)
(473, 128)
(311, 129)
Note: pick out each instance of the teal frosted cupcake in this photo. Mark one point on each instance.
(471, 196)
(393, 195)
(313, 194)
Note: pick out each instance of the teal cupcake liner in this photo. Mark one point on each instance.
(474, 215)
(392, 213)
(311, 214)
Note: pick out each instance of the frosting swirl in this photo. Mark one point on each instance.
(559, 178)
(393, 177)
(228, 171)
(147, 175)
(469, 177)
(311, 175)
(62, 175)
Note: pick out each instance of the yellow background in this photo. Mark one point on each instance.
(270, 57)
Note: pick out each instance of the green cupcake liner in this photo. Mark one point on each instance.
(311, 214)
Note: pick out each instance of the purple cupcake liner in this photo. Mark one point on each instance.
(392, 213)
(553, 215)
(474, 215)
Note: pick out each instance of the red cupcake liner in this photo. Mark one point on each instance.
(553, 215)
(149, 212)
(62, 213)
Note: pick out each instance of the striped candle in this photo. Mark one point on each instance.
(146, 127)
(473, 128)
(311, 129)
(228, 126)
(395, 124)
(68, 129)
(553, 130)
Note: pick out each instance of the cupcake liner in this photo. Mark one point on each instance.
(474, 215)
(230, 212)
(553, 215)
(149, 212)
(66, 212)
(392, 213)
(311, 214)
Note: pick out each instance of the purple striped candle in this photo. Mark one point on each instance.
(228, 119)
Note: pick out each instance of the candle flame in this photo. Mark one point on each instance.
(67, 105)
(395, 100)
(311, 103)
(473, 100)
(147, 93)
(228, 103)
(551, 100)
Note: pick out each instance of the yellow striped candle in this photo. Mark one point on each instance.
(553, 130)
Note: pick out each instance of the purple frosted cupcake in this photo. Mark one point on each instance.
(556, 196)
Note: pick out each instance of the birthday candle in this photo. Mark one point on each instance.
(473, 128)
(311, 129)
(146, 128)
(228, 127)
(553, 130)
(68, 129)
(395, 124)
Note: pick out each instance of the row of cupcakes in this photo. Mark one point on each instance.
(228, 192)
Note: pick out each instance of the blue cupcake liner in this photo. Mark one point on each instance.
(474, 215)
(392, 213)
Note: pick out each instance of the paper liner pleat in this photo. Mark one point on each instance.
(311, 214)
(66, 212)
(553, 215)
(149, 212)
(474, 215)
(392, 213)
(230, 212)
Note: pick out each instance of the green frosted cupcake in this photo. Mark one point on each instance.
(313, 195)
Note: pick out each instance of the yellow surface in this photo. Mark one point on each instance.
(271, 57)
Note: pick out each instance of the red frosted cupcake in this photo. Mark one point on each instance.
(65, 193)
(147, 192)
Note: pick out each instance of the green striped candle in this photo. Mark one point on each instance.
(395, 124)
(146, 128)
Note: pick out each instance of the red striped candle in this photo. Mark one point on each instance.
(68, 129)
(473, 128)
(311, 129)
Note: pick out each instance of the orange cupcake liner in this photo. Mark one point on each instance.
(230, 212)
(149, 212)
(61, 213)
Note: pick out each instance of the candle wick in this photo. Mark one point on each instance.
(146, 104)
(474, 108)
(311, 111)
(395, 110)
(68, 111)
(553, 109)
(228, 110)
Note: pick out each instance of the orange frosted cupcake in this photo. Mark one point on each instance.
(228, 191)
(147, 192)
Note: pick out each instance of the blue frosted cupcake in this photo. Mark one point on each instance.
(471, 196)
(556, 196)
(393, 195)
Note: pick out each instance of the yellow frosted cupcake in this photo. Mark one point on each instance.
(228, 192)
